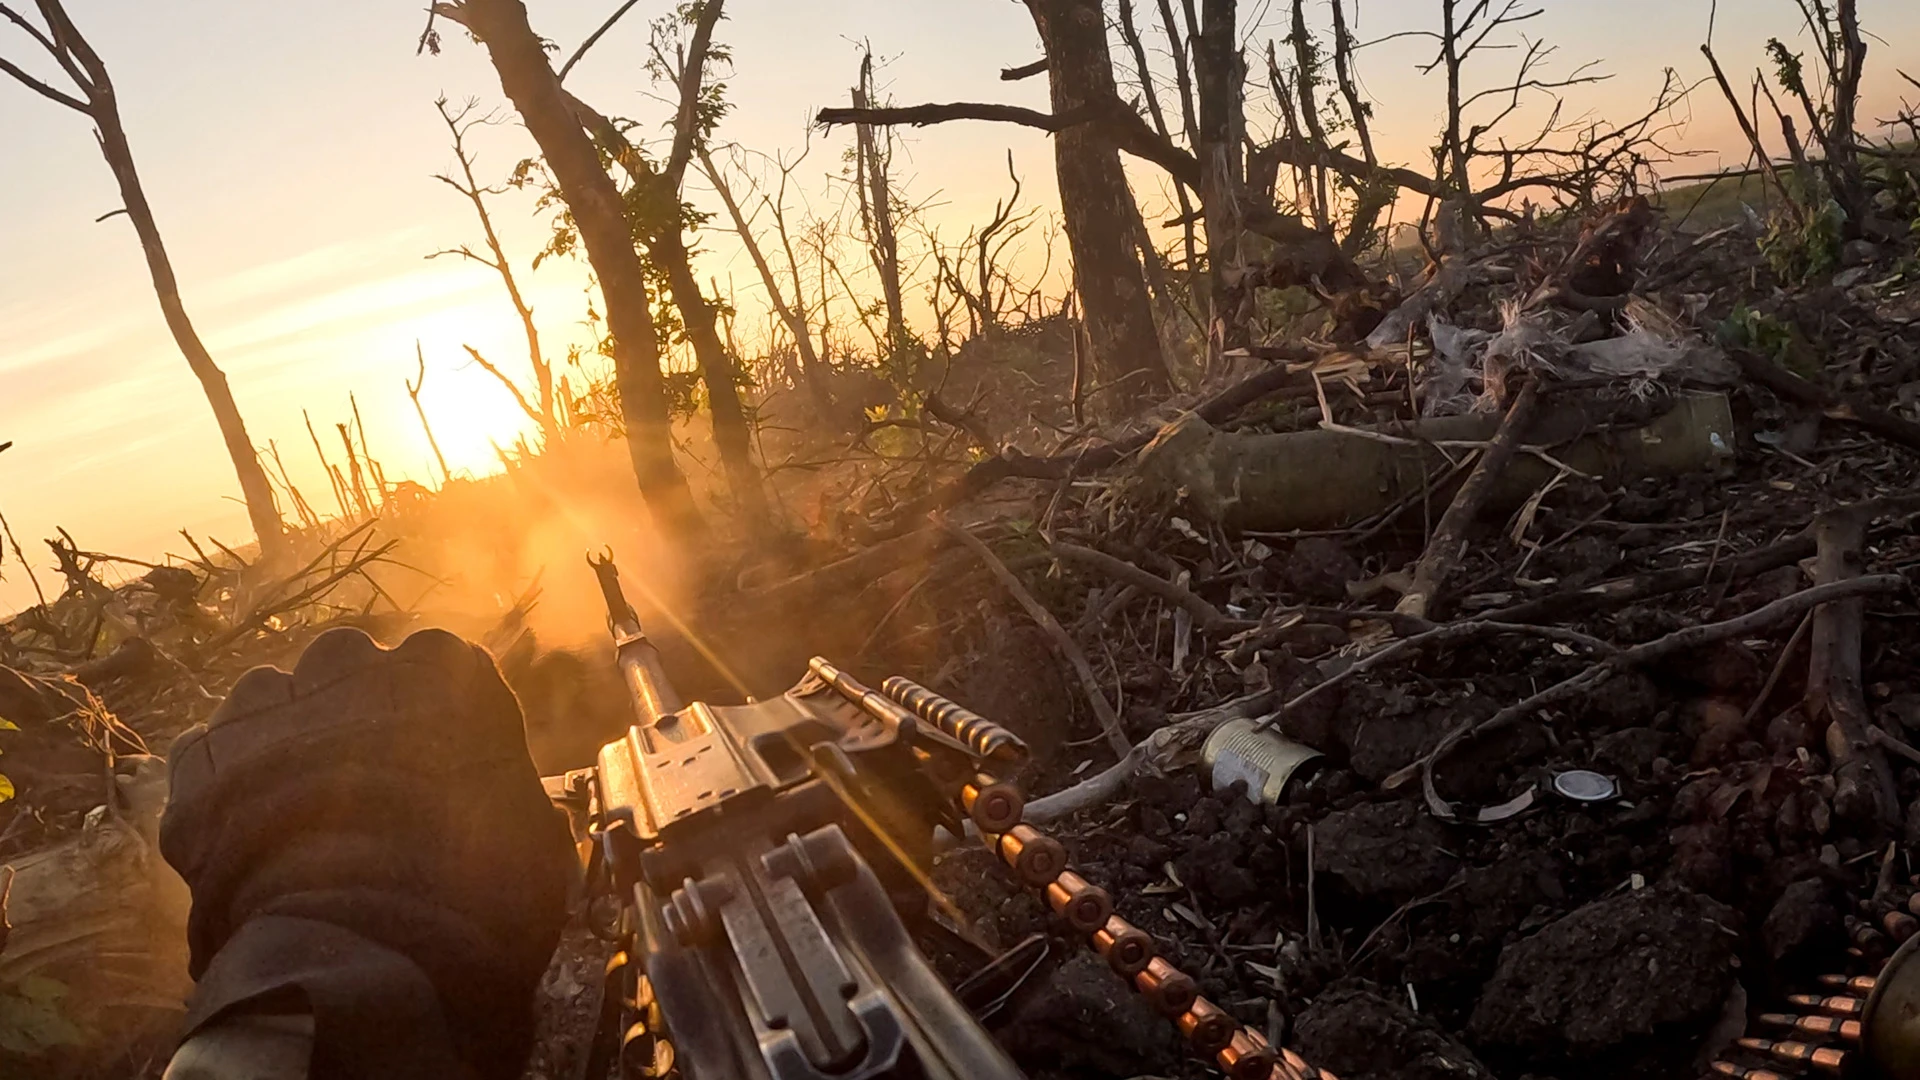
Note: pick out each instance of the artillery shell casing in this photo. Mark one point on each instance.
(1084, 905)
(1247, 1057)
(994, 805)
(1207, 1027)
(1166, 987)
(1128, 948)
(1035, 856)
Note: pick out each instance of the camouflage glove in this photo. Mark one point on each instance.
(367, 842)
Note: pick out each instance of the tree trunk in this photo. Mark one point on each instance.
(731, 435)
(669, 249)
(876, 199)
(1095, 200)
(262, 511)
(598, 213)
(77, 58)
(1217, 70)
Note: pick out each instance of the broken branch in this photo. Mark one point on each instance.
(1691, 637)
(1450, 536)
(1209, 617)
(1068, 648)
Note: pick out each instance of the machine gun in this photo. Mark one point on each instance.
(761, 857)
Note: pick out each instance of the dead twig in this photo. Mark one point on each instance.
(1879, 737)
(1622, 591)
(6, 893)
(1438, 635)
(1162, 750)
(1209, 617)
(1779, 668)
(1860, 414)
(1068, 648)
(1450, 537)
(1691, 637)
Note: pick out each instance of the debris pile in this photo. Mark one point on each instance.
(1596, 615)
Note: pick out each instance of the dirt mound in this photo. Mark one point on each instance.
(1627, 983)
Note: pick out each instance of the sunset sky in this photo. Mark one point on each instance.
(288, 152)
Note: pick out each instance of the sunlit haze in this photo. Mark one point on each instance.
(289, 153)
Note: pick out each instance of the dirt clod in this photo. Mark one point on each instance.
(1387, 852)
(1620, 983)
(1362, 1035)
(1086, 1021)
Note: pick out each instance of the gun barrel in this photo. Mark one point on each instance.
(640, 665)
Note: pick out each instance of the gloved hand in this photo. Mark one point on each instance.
(367, 841)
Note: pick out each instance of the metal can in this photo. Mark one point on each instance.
(1265, 759)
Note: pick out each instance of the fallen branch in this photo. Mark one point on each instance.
(1068, 648)
(1161, 751)
(1622, 591)
(1779, 668)
(1437, 635)
(1209, 617)
(1785, 383)
(1010, 463)
(1864, 789)
(274, 604)
(1449, 540)
(1691, 637)
(1879, 737)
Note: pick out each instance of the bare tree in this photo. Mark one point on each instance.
(1097, 206)
(414, 387)
(459, 122)
(599, 213)
(792, 314)
(873, 154)
(94, 97)
(1829, 100)
(1094, 195)
(1150, 93)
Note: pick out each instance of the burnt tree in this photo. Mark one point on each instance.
(600, 216)
(96, 100)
